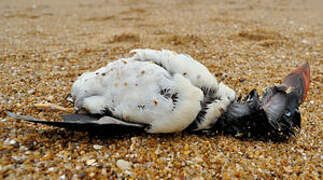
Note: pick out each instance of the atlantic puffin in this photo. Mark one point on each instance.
(165, 92)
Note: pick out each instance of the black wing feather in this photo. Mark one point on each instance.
(84, 122)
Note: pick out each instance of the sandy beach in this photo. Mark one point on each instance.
(45, 45)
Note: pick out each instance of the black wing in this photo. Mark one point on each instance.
(84, 122)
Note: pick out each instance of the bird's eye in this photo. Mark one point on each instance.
(288, 113)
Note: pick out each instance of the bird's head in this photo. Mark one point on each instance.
(280, 103)
(275, 116)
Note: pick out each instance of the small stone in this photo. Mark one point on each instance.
(78, 167)
(198, 178)
(186, 147)
(62, 177)
(59, 155)
(148, 165)
(19, 159)
(129, 173)
(92, 174)
(241, 80)
(91, 162)
(104, 172)
(51, 169)
(50, 98)
(288, 169)
(97, 147)
(14, 143)
(31, 91)
(198, 159)
(18, 105)
(123, 164)
(82, 174)
(305, 41)
(68, 166)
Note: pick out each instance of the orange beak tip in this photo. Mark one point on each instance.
(299, 81)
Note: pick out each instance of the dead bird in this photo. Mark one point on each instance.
(165, 92)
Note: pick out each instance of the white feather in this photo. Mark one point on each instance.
(131, 89)
(183, 64)
(197, 73)
(218, 107)
(126, 85)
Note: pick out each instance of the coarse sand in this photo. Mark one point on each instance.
(45, 45)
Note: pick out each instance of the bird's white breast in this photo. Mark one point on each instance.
(132, 91)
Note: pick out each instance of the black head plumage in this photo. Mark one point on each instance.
(276, 116)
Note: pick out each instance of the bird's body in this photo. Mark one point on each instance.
(161, 89)
(166, 92)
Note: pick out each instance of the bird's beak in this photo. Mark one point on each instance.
(298, 81)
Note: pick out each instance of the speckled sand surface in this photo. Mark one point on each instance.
(45, 45)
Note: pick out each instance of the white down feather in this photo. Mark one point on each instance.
(130, 88)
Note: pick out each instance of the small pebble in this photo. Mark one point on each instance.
(91, 162)
(62, 177)
(51, 169)
(92, 174)
(127, 172)
(122, 164)
(82, 174)
(104, 172)
(50, 98)
(198, 178)
(97, 147)
(14, 143)
(31, 91)
(305, 41)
